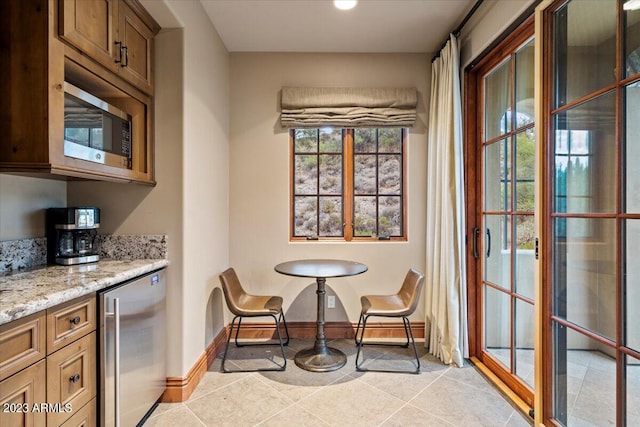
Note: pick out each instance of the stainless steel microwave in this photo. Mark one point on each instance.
(94, 130)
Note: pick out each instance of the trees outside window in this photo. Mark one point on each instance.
(348, 184)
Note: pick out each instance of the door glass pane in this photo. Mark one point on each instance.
(632, 42)
(524, 165)
(497, 171)
(524, 84)
(525, 255)
(497, 325)
(632, 285)
(633, 391)
(525, 324)
(584, 380)
(584, 48)
(584, 274)
(497, 250)
(497, 95)
(632, 144)
(585, 157)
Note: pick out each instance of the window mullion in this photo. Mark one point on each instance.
(347, 180)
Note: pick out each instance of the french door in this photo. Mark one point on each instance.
(501, 149)
(591, 221)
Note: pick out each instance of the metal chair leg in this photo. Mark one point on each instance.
(283, 320)
(410, 337)
(415, 350)
(280, 342)
(226, 347)
(360, 343)
(357, 329)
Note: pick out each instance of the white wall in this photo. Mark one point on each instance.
(23, 201)
(491, 19)
(205, 185)
(190, 200)
(260, 178)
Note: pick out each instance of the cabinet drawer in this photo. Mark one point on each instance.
(84, 417)
(22, 342)
(18, 395)
(71, 377)
(69, 321)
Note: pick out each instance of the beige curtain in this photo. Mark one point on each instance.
(312, 107)
(445, 286)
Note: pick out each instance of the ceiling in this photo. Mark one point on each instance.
(382, 26)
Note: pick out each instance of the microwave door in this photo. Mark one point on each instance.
(94, 130)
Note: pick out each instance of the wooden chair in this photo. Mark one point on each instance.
(242, 304)
(402, 304)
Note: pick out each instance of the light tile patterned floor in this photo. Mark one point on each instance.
(439, 396)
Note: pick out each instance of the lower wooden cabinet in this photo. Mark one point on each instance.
(71, 378)
(54, 388)
(84, 417)
(19, 395)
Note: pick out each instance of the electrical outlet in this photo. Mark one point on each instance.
(331, 301)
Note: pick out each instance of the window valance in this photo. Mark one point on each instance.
(311, 107)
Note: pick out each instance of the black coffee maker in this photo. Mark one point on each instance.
(71, 234)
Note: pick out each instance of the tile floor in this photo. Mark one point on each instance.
(439, 396)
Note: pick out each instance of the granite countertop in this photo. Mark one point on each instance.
(27, 292)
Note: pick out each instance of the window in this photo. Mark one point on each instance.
(348, 184)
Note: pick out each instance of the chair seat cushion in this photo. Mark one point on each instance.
(384, 305)
(259, 305)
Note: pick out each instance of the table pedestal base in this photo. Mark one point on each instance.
(313, 360)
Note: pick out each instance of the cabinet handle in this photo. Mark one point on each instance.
(488, 242)
(74, 378)
(125, 62)
(119, 45)
(74, 320)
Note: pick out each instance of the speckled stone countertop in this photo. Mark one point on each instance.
(26, 292)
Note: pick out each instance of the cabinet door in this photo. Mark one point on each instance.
(69, 321)
(89, 26)
(22, 342)
(137, 41)
(71, 378)
(85, 417)
(20, 393)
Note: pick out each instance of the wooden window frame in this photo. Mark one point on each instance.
(348, 192)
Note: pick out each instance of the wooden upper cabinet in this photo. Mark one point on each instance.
(116, 33)
(103, 47)
(137, 46)
(89, 26)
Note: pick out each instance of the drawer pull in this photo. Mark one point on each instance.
(75, 320)
(75, 378)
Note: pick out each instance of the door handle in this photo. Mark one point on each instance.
(116, 360)
(476, 232)
(488, 242)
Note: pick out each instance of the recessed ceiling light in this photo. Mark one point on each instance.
(632, 5)
(345, 4)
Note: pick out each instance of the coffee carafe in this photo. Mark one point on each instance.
(71, 234)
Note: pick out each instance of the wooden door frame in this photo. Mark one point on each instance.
(473, 175)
